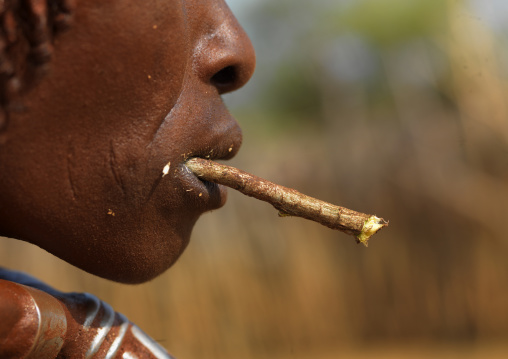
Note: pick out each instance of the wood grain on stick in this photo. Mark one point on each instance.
(288, 201)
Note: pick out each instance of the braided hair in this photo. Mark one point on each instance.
(27, 30)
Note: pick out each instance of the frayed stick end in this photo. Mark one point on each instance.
(371, 227)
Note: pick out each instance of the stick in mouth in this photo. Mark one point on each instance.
(288, 201)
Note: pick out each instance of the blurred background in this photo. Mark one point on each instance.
(391, 107)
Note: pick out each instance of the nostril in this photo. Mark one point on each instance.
(225, 79)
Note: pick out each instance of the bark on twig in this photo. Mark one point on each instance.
(288, 201)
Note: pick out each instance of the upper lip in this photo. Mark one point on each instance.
(221, 151)
(221, 145)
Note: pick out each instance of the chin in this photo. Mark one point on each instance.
(130, 252)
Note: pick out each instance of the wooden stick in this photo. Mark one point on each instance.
(288, 201)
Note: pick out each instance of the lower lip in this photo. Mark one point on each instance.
(210, 194)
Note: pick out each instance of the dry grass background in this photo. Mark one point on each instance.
(434, 284)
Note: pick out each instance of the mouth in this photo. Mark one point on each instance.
(205, 130)
(207, 195)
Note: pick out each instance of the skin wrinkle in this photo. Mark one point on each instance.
(165, 118)
(112, 166)
(69, 173)
(161, 123)
(154, 187)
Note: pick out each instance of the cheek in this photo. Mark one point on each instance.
(127, 69)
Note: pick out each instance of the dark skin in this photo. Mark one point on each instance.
(133, 86)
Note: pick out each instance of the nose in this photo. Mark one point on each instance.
(224, 56)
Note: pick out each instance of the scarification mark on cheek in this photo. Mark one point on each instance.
(69, 174)
(113, 167)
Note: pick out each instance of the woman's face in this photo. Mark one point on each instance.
(134, 86)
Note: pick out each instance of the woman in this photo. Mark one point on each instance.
(92, 115)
